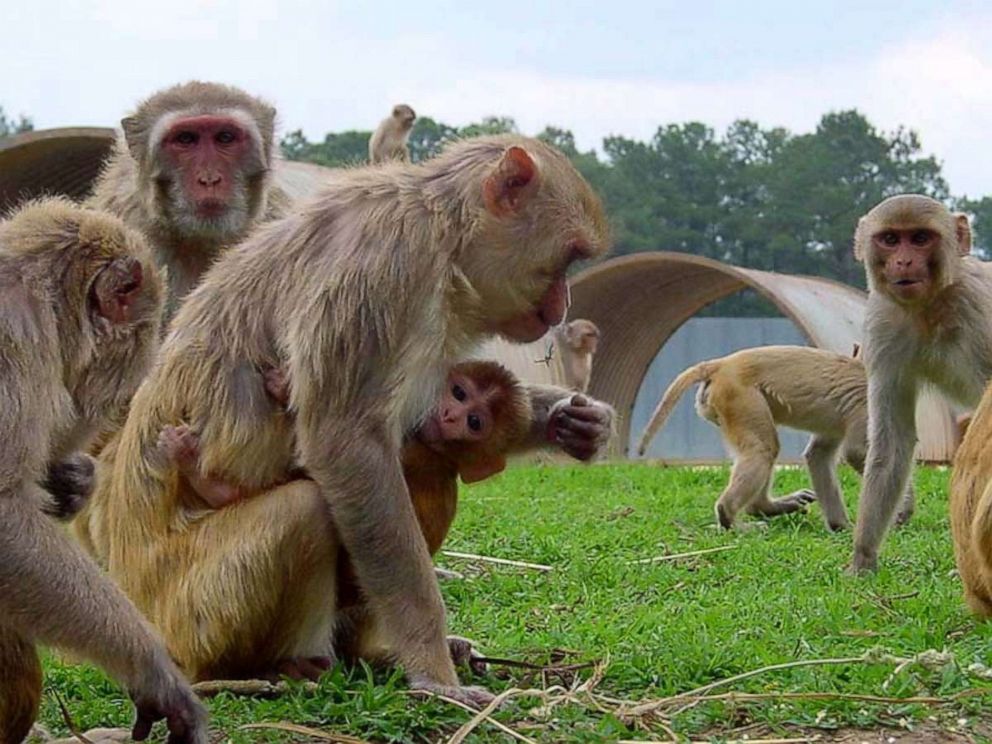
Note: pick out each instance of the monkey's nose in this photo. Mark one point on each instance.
(209, 179)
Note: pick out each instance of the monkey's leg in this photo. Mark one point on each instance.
(254, 592)
(891, 441)
(821, 459)
(20, 685)
(856, 459)
(749, 429)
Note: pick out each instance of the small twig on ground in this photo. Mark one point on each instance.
(498, 561)
(677, 556)
(258, 687)
(295, 728)
(67, 720)
(484, 715)
(494, 661)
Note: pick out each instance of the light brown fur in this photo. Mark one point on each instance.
(748, 393)
(80, 301)
(129, 187)
(578, 340)
(365, 295)
(928, 320)
(389, 141)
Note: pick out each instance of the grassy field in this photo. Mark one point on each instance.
(774, 596)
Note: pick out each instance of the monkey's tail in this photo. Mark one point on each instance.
(981, 529)
(697, 373)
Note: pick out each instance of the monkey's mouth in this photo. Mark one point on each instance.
(210, 208)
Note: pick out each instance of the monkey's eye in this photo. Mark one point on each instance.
(224, 137)
(474, 423)
(459, 393)
(921, 237)
(186, 138)
(889, 238)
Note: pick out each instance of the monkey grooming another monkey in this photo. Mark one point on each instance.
(192, 170)
(389, 141)
(748, 393)
(577, 340)
(80, 300)
(929, 319)
(365, 295)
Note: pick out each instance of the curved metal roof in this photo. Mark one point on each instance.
(639, 301)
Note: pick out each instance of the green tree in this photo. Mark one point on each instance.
(10, 126)
(981, 223)
(337, 149)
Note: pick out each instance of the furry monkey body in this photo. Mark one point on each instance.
(80, 301)
(365, 295)
(929, 319)
(748, 393)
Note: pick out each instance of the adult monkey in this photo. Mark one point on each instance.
(365, 295)
(80, 301)
(929, 319)
(389, 141)
(192, 170)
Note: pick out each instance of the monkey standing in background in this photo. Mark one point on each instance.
(389, 141)
(192, 171)
(748, 393)
(366, 295)
(80, 301)
(929, 319)
(577, 340)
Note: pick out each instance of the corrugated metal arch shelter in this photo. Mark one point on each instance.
(639, 301)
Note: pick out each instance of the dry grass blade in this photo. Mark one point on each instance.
(677, 556)
(67, 719)
(295, 728)
(484, 715)
(498, 561)
(492, 721)
(258, 687)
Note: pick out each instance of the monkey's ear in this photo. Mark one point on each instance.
(859, 255)
(505, 190)
(117, 288)
(482, 469)
(963, 228)
(133, 135)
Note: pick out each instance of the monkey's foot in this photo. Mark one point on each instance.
(862, 564)
(301, 668)
(797, 501)
(181, 446)
(476, 697)
(464, 654)
(904, 515)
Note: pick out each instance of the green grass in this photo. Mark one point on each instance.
(779, 595)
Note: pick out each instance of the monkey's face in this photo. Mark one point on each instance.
(463, 414)
(207, 169)
(906, 260)
(404, 115)
(540, 217)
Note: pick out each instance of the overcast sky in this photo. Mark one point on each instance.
(596, 68)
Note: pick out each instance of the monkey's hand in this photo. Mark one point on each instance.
(70, 483)
(581, 426)
(170, 698)
(477, 697)
(464, 654)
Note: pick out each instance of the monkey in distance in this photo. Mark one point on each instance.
(578, 340)
(80, 300)
(389, 141)
(748, 393)
(192, 170)
(928, 319)
(366, 295)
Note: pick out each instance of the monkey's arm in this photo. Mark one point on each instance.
(889, 462)
(53, 594)
(574, 422)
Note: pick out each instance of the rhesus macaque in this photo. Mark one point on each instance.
(389, 141)
(577, 340)
(929, 319)
(365, 295)
(80, 300)
(971, 508)
(748, 393)
(192, 170)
